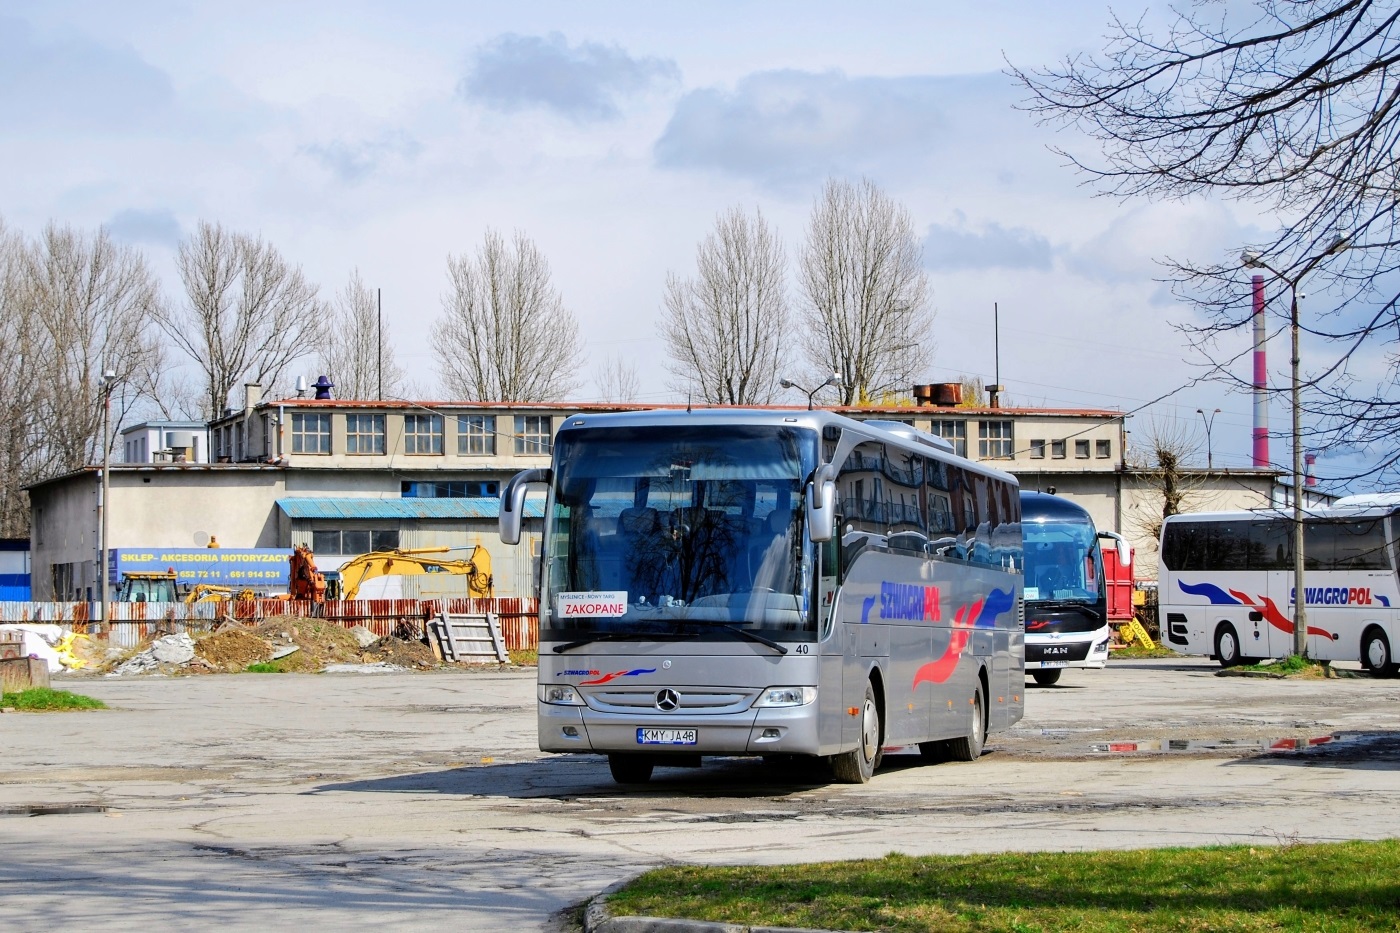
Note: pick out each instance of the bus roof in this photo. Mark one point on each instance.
(890, 433)
(1046, 507)
(1359, 510)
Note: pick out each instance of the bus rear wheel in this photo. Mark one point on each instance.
(1047, 677)
(969, 747)
(630, 769)
(1375, 653)
(858, 765)
(1227, 646)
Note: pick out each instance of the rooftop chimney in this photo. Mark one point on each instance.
(323, 386)
(252, 394)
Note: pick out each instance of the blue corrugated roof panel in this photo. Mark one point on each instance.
(313, 507)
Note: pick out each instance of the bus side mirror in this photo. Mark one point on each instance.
(821, 504)
(1125, 550)
(513, 502)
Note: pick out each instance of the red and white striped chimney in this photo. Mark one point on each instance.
(1308, 478)
(1261, 381)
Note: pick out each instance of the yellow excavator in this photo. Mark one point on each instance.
(214, 593)
(476, 568)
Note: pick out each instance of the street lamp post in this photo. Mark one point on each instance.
(109, 380)
(832, 380)
(1254, 260)
(1210, 459)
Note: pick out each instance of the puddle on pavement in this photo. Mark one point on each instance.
(63, 809)
(1189, 746)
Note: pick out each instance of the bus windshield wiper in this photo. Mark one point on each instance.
(746, 633)
(1086, 605)
(596, 636)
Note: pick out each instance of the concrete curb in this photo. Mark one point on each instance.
(598, 919)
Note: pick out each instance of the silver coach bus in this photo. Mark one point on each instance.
(791, 585)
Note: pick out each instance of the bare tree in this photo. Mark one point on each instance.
(617, 381)
(248, 313)
(18, 368)
(1293, 105)
(726, 328)
(1160, 462)
(865, 314)
(94, 302)
(358, 361)
(505, 334)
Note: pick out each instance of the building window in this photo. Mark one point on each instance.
(311, 434)
(532, 434)
(422, 434)
(1081, 449)
(353, 540)
(954, 432)
(1103, 449)
(1057, 449)
(476, 435)
(994, 440)
(364, 434)
(1038, 449)
(457, 489)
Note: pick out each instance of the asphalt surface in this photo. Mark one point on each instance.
(409, 801)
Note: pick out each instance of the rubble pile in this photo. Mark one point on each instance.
(164, 655)
(232, 649)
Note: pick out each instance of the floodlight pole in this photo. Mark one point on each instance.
(109, 379)
(1300, 599)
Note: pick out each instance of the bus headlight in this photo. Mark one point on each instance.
(560, 695)
(787, 696)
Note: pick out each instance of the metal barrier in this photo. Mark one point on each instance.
(130, 623)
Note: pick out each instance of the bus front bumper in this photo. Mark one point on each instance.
(788, 730)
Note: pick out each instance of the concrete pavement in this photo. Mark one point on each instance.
(406, 801)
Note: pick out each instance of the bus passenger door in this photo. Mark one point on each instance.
(1276, 642)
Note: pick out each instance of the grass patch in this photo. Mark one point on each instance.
(1349, 886)
(1293, 666)
(267, 667)
(524, 657)
(46, 699)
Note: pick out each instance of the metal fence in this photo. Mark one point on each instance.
(130, 623)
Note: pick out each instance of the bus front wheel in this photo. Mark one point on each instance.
(969, 747)
(630, 769)
(1375, 653)
(1227, 646)
(1046, 677)
(858, 765)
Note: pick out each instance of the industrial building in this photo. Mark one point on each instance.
(350, 476)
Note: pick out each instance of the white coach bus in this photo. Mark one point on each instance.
(795, 585)
(1226, 584)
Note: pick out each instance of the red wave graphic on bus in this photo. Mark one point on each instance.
(607, 678)
(983, 612)
(1273, 616)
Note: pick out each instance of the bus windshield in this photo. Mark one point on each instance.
(667, 530)
(1062, 561)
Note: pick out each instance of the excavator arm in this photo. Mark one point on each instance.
(476, 568)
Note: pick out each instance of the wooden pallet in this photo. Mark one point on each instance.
(475, 637)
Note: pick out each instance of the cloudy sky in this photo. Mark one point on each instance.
(388, 136)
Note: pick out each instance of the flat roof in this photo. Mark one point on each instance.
(343, 507)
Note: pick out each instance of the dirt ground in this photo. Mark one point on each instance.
(232, 649)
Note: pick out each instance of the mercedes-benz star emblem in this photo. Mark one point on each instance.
(667, 700)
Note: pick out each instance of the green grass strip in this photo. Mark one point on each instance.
(266, 667)
(46, 699)
(1334, 887)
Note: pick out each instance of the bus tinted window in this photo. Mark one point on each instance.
(1345, 545)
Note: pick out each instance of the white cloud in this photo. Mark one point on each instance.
(583, 82)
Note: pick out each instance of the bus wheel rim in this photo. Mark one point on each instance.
(870, 732)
